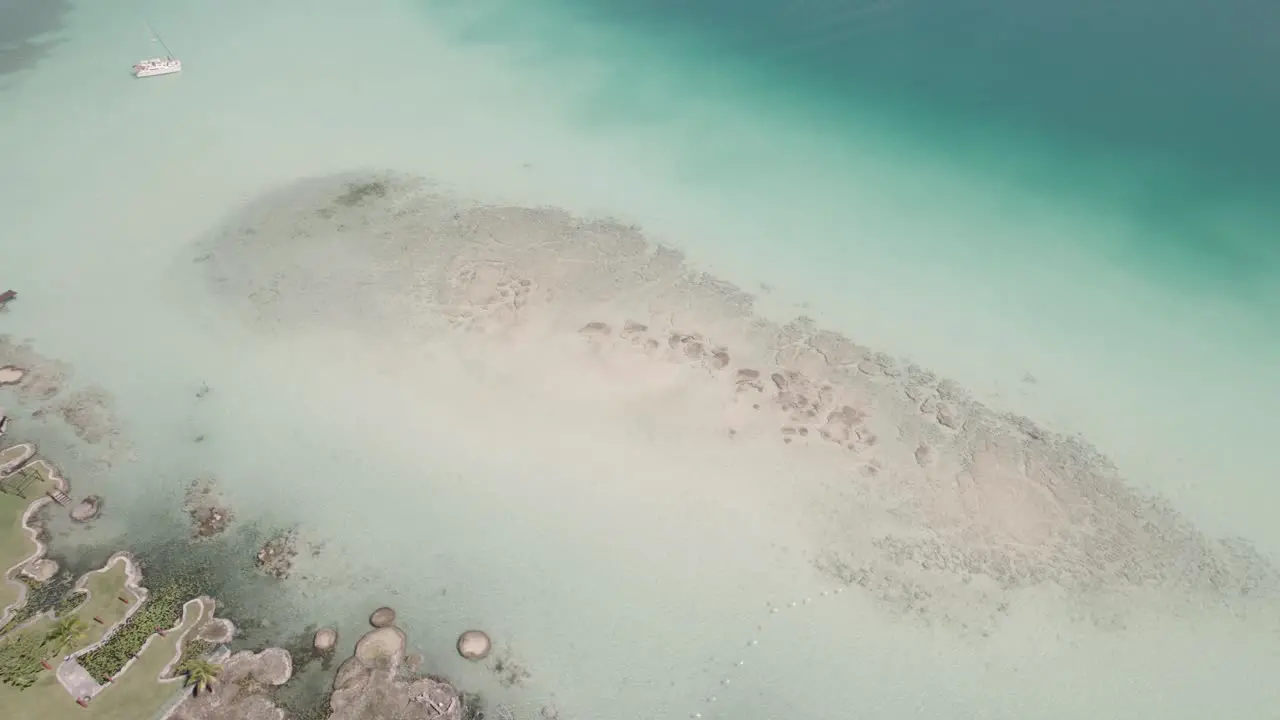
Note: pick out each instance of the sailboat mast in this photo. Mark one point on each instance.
(160, 40)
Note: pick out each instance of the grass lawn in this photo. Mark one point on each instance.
(137, 695)
(105, 587)
(15, 544)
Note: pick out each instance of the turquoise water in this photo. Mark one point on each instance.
(1070, 210)
(1026, 172)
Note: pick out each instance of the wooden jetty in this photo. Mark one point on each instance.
(59, 497)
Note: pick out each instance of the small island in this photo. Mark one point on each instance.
(108, 647)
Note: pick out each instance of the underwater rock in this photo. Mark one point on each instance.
(384, 645)
(325, 640)
(372, 684)
(87, 510)
(382, 617)
(474, 645)
(276, 556)
(208, 515)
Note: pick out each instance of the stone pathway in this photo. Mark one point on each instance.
(77, 680)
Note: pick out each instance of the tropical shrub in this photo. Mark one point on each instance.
(200, 674)
(70, 602)
(66, 633)
(193, 648)
(162, 609)
(20, 659)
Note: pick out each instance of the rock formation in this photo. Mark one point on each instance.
(209, 515)
(382, 617)
(276, 556)
(11, 375)
(40, 387)
(326, 640)
(474, 645)
(87, 509)
(243, 689)
(376, 683)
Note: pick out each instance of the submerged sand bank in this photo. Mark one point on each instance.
(932, 502)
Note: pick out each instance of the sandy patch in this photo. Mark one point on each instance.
(930, 501)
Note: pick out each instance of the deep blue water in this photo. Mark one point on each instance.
(1188, 85)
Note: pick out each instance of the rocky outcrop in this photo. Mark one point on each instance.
(276, 556)
(11, 375)
(325, 640)
(243, 689)
(382, 617)
(87, 509)
(209, 516)
(474, 645)
(377, 682)
(383, 647)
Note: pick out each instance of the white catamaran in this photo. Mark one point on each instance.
(158, 66)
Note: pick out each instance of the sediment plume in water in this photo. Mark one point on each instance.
(935, 504)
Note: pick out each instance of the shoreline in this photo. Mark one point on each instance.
(68, 671)
(438, 699)
(973, 494)
(32, 533)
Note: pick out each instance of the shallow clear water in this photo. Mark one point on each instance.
(999, 196)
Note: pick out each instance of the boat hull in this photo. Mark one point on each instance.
(152, 72)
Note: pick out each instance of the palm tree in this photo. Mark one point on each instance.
(67, 632)
(200, 674)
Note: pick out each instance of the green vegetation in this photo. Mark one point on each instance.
(200, 674)
(57, 618)
(136, 694)
(193, 648)
(22, 652)
(70, 602)
(20, 659)
(15, 544)
(22, 656)
(66, 633)
(161, 610)
(29, 608)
